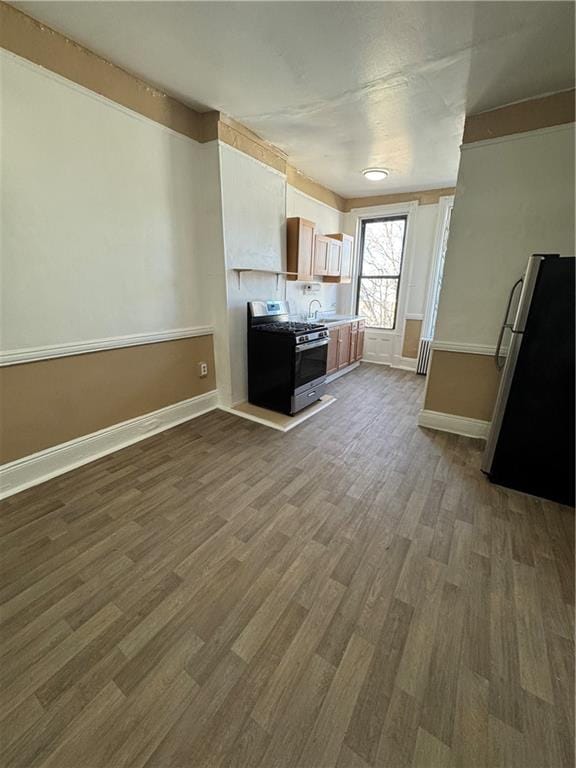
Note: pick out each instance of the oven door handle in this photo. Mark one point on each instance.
(312, 344)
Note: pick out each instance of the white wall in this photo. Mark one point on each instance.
(328, 222)
(99, 234)
(210, 239)
(514, 197)
(255, 204)
(426, 222)
(114, 225)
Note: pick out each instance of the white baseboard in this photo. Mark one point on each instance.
(458, 425)
(39, 467)
(403, 363)
(375, 362)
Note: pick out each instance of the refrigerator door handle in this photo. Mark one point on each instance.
(506, 324)
(501, 401)
(528, 282)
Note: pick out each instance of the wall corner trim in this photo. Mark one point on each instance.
(59, 459)
(457, 425)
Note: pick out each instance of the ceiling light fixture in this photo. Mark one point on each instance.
(375, 174)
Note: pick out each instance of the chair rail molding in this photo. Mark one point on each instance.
(32, 354)
(456, 346)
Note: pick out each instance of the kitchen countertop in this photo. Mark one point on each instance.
(329, 320)
(339, 319)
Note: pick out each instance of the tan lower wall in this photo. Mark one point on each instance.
(462, 384)
(48, 402)
(412, 333)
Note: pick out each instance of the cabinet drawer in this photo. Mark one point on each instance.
(308, 397)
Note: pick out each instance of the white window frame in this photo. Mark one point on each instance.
(379, 211)
(359, 215)
(401, 274)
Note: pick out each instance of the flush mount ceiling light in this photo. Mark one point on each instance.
(375, 174)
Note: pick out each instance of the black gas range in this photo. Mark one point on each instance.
(286, 360)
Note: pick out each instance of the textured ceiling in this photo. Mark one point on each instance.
(338, 86)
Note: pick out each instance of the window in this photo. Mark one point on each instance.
(381, 250)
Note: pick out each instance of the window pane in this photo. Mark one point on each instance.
(383, 241)
(377, 301)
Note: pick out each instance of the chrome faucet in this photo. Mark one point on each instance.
(310, 308)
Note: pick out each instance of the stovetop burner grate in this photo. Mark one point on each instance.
(289, 327)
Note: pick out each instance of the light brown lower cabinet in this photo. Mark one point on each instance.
(346, 345)
(332, 361)
(344, 334)
(360, 341)
(353, 341)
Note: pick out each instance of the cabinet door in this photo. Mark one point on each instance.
(300, 248)
(344, 346)
(353, 341)
(334, 249)
(321, 244)
(343, 274)
(346, 259)
(332, 362)
(306, 250)
(360, 341)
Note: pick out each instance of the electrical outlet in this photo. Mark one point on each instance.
(202, 369)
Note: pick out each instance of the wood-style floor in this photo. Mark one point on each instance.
(352, 593)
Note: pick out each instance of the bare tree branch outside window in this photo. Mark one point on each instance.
(382, 246)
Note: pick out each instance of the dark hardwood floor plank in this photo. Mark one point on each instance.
(350, 594)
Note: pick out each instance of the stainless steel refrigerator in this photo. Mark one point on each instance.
(531, 443)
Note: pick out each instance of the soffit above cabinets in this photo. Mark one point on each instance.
(338, 86)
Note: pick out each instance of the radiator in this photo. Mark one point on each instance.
(423, 356)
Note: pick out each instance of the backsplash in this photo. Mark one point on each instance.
(300, 301)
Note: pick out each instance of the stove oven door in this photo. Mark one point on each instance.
(310, 365)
